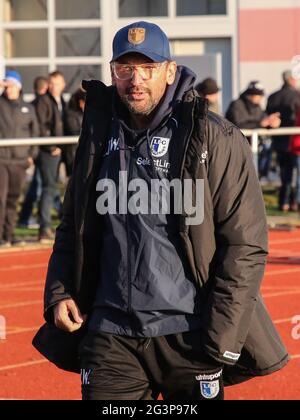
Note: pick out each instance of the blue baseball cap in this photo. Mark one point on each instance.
(144, 38)
(14, 77)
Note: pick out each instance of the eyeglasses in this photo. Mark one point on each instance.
(146, 71)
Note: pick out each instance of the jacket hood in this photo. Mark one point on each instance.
(184, 82)
(173, 96)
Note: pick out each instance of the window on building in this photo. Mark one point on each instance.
(26, 43)
(28, 74)
(77, 9)
(201, 7)
(15, 10)
(140, 8)
(78, 42)
(75, 74)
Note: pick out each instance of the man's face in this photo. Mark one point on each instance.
(43, 88)
(256, 99)
(56, 85)
(293, 82)
(141, 96)
(212, 98)
(12, 91)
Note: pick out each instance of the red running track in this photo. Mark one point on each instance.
(24, 374)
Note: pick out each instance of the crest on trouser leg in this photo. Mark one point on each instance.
(210, 384)
(209, 390)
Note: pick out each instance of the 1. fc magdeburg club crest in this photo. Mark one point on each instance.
(209, 390)
(159, 146)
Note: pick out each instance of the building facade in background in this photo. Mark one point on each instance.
(269, 38)
(256, 39)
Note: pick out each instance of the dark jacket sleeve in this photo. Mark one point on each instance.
(60, 275)
(73, 122)
(272, 105)
(241, 243)
(44, 112)
(238, 115)
(61, 264)
(63, 271)
(35, 132)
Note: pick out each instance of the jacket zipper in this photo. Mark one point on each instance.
(129, 239)
(189, 136)
(188, 140)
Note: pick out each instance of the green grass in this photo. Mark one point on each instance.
(26, 233)
(30, 234)
(271, 202)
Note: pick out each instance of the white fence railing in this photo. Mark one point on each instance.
(254, 134)
(40, 141)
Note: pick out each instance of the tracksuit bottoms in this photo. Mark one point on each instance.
(124, 368)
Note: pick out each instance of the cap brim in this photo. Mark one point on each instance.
(214, 91)
(154, 57)
(255, 92)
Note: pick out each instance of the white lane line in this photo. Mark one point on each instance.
(32, 250)
(20, 330)
(285, 253)
(23, 267)
(21, 304)
(291, 292)
(284, 271)
(23, 289)
(21, 365)
(283, 321)
(280, 288)
(284, 241)
(14, 285)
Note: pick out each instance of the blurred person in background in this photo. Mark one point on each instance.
(294, 149)
(73, 121)
(209, 90)
(247, 113)
(40, 86)
(286, 101)
(50, 109)
(17, 120)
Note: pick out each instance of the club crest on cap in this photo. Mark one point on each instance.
(136, 36)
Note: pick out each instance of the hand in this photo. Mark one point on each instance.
(275, 121)
(67, 316)
(5, 83)
(272, 121)
(30, 161)
(56, 152)
(265, 122)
